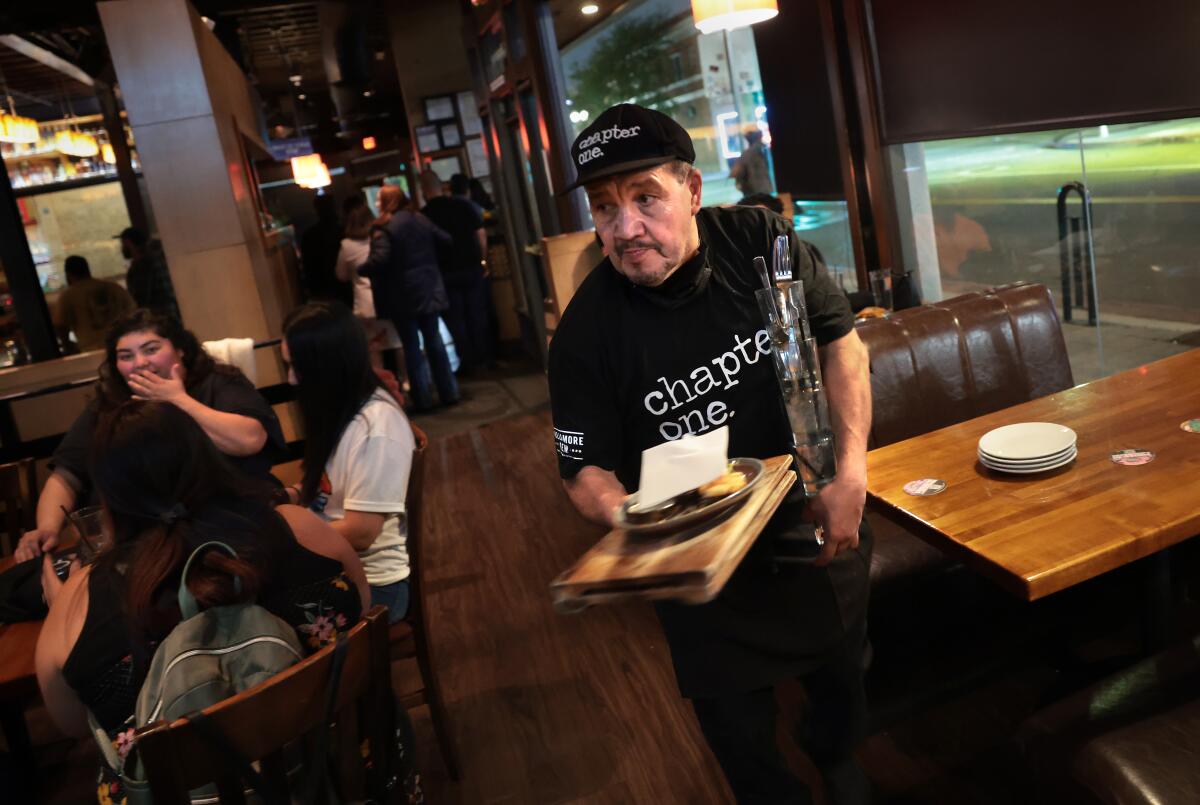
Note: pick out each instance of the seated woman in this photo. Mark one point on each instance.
(165, 490)
(358, 445)
(151, 357)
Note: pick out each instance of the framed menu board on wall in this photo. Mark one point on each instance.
(468, 114)
(450, 136)
(439, 107)
(427, 139)
(477, 157)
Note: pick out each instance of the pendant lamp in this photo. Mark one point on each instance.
(712, 16)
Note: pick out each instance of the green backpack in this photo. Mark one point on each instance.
(207, 658)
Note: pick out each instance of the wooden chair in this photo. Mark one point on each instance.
(288, 707)
(18, 495)
(410, 637)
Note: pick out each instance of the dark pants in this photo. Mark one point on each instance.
(419, 369)
(740, 730)
(470, 320)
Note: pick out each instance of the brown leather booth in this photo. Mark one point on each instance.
(944, 363)
(1131, 739)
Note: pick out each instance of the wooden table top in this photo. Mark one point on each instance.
(18, 679)
(1036, 535)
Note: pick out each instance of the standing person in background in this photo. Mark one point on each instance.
(750, 171)
(319, 252)
(358, 447)
(464, 268)
(147, 280)
(355, 248)
(407, 286)
(479, 194)
(89, 306)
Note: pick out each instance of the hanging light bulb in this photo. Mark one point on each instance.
(75, 144)
(725, 15)
(310, 171)
(17, 129)
(107, 154)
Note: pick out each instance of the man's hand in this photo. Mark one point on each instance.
(34, 543)
(838, 508)
(149, 386)
(597, 494)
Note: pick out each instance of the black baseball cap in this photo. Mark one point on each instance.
(628, 137)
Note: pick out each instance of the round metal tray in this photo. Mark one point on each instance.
(751, 467)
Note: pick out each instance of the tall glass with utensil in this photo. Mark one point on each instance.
(798, 369)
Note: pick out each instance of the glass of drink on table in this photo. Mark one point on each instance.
(798, 370)
(881, 288)
(93, 538)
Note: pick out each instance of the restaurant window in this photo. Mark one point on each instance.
(650, 53)
(984, 211)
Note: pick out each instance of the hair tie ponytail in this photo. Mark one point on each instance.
(173, 515)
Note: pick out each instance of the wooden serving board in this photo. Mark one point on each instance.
(690, 566)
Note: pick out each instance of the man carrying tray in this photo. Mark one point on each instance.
(664, 339)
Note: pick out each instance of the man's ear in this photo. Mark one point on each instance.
(695, 184)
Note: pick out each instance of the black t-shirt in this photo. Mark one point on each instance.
(461, 220)
(632, 367)
(221, 390)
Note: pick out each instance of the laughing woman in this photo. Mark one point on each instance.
(358, 445)
(152, 357)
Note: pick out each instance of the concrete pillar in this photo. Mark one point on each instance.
(196, 128)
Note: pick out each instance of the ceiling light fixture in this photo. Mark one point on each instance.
(589, 9)
(17, 129)
(310, 171)
(712, 16)
(75, 143)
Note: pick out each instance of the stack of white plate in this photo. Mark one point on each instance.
(1028, 447)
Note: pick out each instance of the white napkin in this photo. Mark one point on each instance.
(237, 352)
(675, 467)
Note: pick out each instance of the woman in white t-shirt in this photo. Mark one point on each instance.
(358, 445)
(355, 247)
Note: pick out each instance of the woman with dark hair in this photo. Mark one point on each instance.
(406, 281)
(166, 490)
(151, 357)
(358, 445)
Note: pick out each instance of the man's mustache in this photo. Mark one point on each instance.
(622, 246)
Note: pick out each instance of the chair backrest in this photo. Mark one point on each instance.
(18, 495)
(259, 723)
(415, 531)
(936, 365)
(567, 260)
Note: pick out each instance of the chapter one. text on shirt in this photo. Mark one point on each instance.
(670, 395)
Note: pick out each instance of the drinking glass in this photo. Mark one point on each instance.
(881, 288)
(94, 539)
(798, 370)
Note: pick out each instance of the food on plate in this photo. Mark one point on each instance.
(872, 313)
(727, 484)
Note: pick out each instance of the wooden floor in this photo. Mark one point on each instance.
(545, 708)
